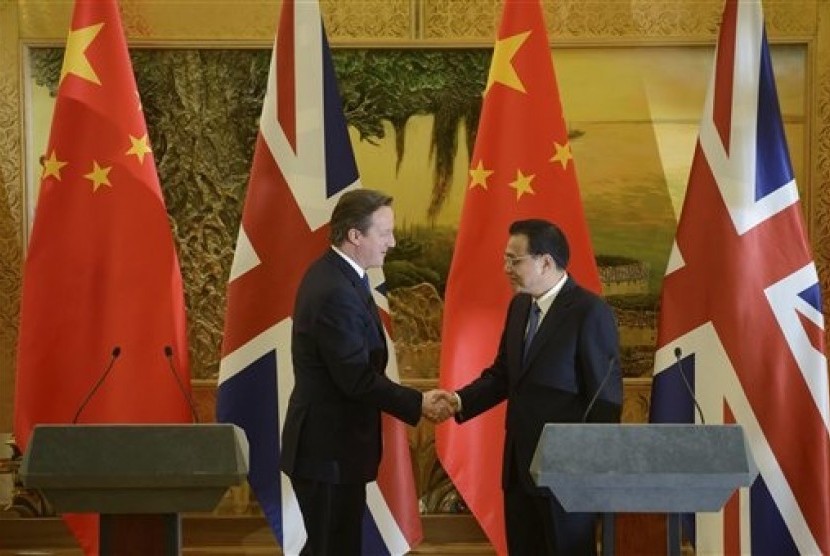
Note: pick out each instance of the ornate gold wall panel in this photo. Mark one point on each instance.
(184, 20)
(11, 206)
(240, 21)
(369, 21)
(819, 213)
(611, 21)
(423, 21)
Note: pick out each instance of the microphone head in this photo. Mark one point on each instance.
(116, 351)
(168, 351)
(678, 352)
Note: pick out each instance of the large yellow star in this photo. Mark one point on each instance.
(98, 176)
(563, 154)
(75, 60)
(140, 147)
(501, 68)
(52, 167)
(479, 175)
(522, 184)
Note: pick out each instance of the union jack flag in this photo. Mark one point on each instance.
(741, 299)
(303, 163)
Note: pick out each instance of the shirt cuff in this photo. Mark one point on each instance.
(459, 407)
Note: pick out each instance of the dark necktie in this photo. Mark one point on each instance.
(373, 308)
(532, 327)
(370, 298)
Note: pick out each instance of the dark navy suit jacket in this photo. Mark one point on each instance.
(332, 426)
(574, 348)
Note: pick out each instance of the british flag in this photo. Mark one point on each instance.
(741, 300)
(302, 163)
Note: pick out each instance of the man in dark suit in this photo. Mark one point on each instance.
(558, 348)
(331, 440)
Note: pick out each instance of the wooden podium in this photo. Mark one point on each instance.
(138, 477)
(656, 468)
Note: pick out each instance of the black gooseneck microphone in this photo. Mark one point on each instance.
(168, 353)
(599, 389)
(678, 354)
(116, 351)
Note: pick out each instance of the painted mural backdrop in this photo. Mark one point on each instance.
(632, 115)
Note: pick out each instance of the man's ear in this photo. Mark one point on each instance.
(548, 263)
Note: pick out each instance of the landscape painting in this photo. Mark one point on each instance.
(632, 115)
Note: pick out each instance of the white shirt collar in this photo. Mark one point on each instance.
(546, 299)
(357, 268)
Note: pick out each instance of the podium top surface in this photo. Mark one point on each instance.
(105, 456)
(589, 448)
(648, 467)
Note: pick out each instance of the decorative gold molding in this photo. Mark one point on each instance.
(241, 21)
(418, 22)
(369, 20)
(819, 201)
(47, 21)
(611, 21)
(11, 206)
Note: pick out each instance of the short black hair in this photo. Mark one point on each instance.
(543, 237)
(354, 210)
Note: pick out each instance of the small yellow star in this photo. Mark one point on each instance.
(74, 60)
(522, 184)
(52, 167)
(479, 175)
(98, 176)
(140, 147)
(563, 154)
(501, 68)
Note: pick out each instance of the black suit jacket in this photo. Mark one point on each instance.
(574, 348)
(332, 426)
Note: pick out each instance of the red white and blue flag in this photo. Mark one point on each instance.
(741, 299)
(303, 163)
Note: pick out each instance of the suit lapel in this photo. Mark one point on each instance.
(550, 323)
(352, 277)
(373, 309)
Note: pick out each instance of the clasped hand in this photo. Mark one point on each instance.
(439, 405)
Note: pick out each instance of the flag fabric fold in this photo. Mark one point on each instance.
(741, 299)
(522, 167)
(303, 163)
(101, 270)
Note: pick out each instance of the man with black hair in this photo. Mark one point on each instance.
(558, 345)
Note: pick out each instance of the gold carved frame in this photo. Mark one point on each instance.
(393, 23)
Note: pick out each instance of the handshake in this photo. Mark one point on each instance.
(439, 405)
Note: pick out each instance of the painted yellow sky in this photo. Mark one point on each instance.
(654, 94)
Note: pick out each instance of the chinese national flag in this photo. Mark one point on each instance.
(101, 276)
(521, 167)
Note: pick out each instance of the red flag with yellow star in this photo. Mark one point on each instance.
(102, 286)
(521, 167)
